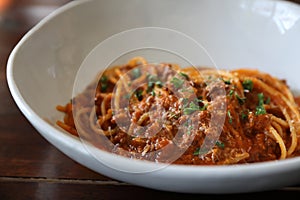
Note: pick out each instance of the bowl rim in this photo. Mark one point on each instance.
(54, 136)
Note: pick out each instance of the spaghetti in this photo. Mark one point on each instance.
(261, 115)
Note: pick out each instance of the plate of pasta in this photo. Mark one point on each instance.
(253, 116)
(150, 120)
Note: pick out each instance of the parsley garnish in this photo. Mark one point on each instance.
(260, 109)
(190, 128)
(229, 116)
(268, 101)
(185, 102)
(244, 114)
(184, 75)
(220, 144)
(153, 81)
(174, 115)
(200, 151)
(231, 92)
(136, 72)
(227, 82)
(248, 85)
(177, 82)
(139, 94)
(187, 123)
(159, 84)
(152, 93)
(191, 91)
(240, 99)
(192, 108)
(104, 83)
(204, 107)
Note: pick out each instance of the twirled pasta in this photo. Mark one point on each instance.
(261, 115)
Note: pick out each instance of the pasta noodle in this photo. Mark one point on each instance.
(147, 111)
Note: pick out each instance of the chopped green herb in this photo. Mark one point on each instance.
(191, 91)
(153, 81)
(103, 79)
(139, 94)
(231, 92)
(261, 98)
(260, 109)
(220, 144)
(240, 99)
(104, 83)
(199, 100)
(158, 84)
(189, 130)
(200, 151)
(192, 108)
(136, 72)
(174, 115)
(184, 75)
(152, 77)
(185, 102)
(150, 84)
(197, 152)
(244, 115)
(149, 89)
(229, 116)
(268, 101)
(248, 85)
(186, 123)
(227, 82)
(177, 82)
(204, 107)
(152, 93)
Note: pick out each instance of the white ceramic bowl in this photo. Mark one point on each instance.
(237, 33)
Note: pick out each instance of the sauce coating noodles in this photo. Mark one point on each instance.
(260, 114)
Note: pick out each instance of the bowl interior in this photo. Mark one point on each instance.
(255, 34)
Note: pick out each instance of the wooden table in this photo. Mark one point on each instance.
(30, 167)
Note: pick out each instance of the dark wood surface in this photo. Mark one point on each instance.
(30, 167)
